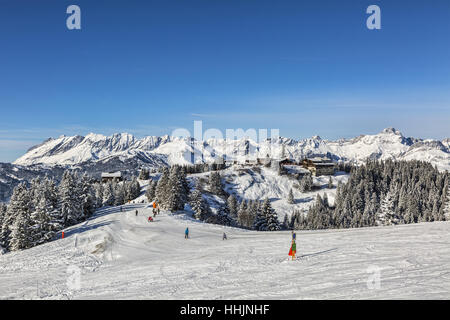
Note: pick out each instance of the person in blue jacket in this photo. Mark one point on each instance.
(186, 233)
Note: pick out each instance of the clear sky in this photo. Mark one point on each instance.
(147, 67)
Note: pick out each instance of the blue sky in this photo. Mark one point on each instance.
(147, 67)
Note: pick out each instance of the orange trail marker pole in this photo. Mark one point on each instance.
(62, 235)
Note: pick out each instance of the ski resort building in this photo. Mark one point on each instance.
(112, 176)
(319, 166)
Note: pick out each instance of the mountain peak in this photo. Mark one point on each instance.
(392, 130)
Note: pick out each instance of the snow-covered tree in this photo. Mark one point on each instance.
(246, 213)
(272, 223)
(330, 183)
(150, 193)
(108, 194)
(3, 210)
(285, 224)
(98, 191)
(386, 214)
(87, 196)
(43, 228)
(132, 189)
(260, 221)
(70, 205)
(215, 183)
(232, 206)
(162, 188)
(21, 232)
(446, 205)
(290, 199)
(119, 194)
(198, 205)
(18, 204)
(177, 193)
(306, 183)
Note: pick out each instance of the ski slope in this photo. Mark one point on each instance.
(121, 256)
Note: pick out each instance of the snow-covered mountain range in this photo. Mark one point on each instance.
(97, 153)
(155, 151)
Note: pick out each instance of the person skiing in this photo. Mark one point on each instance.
(293, 249)
(150, 219)
(186, 233)
(224, 236)
(136, 213)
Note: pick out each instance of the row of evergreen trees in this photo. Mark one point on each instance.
(37, 212)
(382, 193)
(256, 215)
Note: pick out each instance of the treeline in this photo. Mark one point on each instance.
(382, 193)
(37, 212)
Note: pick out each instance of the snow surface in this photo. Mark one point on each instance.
(122, 256)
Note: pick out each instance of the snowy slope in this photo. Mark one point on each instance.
(389, 143)
(121, 256)
(258, 183)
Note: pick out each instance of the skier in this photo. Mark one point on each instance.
(136, 213)
(186, 233)
(224, 236)
(293, 249)
(293, 235)
(150, 219)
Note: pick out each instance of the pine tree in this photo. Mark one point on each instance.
(446, 205)
(150, 193)
(70, 205)
(260, 222)
(18, 204)
(306, 183)
(87, 196)
(386, 214)
(198, 205)
(272, 223)
(21, 232)
(176, 197)
(290, 199)
(43, 230)
(215, 184)
(133, 189)
(3, 209)
(162, 189)
(221, 217)
(98, 190)
(108, 194)
(285, 224)
(330, 183)
(232, 206)
(119, 194)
